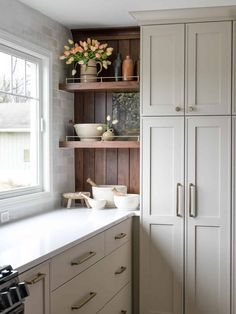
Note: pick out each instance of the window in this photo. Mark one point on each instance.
(23, 114)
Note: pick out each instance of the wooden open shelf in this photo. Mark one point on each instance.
(99, 144)
(123, 86)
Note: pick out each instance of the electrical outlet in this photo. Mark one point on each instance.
(4, 216)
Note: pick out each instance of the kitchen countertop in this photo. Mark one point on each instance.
(31, 241)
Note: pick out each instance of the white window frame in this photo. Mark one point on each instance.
(44, 57)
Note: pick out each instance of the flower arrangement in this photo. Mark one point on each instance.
(82, 52)
(109, 124)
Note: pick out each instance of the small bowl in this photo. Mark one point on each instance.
(105, 192)
(97, 204)
(127, 202)
(89, 131)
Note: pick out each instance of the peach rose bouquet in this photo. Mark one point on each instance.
(82, 52)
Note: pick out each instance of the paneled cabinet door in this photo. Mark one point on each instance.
(163, 213)
(208, 215)
(163, 70)
(234, 216)
(208, 68)
(234, 69)
(38, 283)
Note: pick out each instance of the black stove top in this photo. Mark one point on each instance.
(12, 291)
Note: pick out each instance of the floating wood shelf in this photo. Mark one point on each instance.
(99, 144)
(123, 86)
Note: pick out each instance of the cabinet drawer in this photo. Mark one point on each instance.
(118, 235)
(118, 269)
(120, 304)
(67, 265)
(84, 294)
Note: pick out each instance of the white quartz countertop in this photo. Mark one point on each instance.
(29, 242)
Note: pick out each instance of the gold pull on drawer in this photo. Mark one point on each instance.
(120, 236)
(82, 258)
(121, 270)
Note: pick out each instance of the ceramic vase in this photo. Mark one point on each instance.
(89, 73)
(108, 135)
(127, 69)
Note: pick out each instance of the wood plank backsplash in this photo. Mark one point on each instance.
(106, 166)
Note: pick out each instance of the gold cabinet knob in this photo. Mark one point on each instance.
(190, 108)
(177, 108)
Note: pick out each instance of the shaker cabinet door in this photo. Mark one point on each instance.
(38, 283)
(163, 215)
(208, 68)
(208, 215)
(234, 69)
(234, 216)
(163, 70)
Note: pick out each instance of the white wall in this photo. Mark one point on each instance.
(31, 25)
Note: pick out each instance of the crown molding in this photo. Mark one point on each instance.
(206, 14)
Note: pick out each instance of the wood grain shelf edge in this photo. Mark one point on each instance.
(99, 144)
(102, 86)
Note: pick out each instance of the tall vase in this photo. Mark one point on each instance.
(88, 73)
(127, 69)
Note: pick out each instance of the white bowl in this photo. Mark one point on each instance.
(97, 204)
(105, 192)
(127, 202)
(88, 131)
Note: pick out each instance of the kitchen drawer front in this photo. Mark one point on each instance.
(120, 304)
(85, 291)
(70, 263)
(118, 235)
(118, 269)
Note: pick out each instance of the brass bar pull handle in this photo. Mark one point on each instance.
(192, 200)
(120, 236)
(37, 278)
(84, 301)
(121, 270)
(83, 258)
(179, 200)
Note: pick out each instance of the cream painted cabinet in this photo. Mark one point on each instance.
(234, 216)
(208, 215)
(162, 70)
(208, 68)
(186, 67)
(94, 272)
(162, 216)
(234, 69)
(194, 233)
(38, 284)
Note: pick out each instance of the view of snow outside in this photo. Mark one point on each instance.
(18, 123)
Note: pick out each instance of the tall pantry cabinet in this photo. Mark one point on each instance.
(186, 224)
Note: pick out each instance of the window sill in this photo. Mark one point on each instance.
(37, 198)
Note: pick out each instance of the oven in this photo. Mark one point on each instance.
(12, 291)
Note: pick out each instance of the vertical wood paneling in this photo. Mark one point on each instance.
(105, 166)
(89, 169)
(123, 166)
(79, 153)
(135, 49)
(134, 170)
(79, 169)
(100, 107)
(111, 172)
(79, 107)
(124, 48)
(100, 166)
(89, 107)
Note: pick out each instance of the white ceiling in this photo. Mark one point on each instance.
(109, 13)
